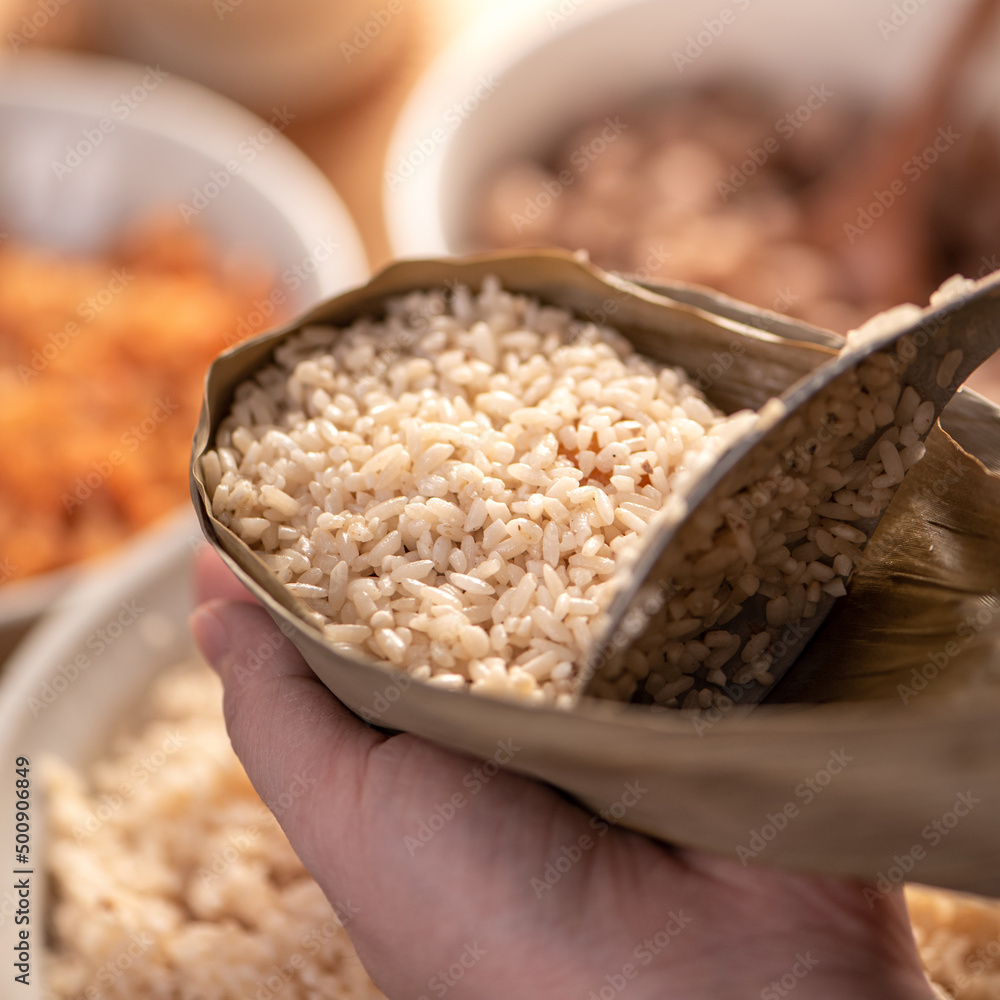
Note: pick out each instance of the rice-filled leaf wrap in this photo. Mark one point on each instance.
(861, 769)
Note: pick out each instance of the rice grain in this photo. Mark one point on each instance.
(490, 462)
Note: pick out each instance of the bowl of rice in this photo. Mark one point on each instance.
(149, 863)
(687, 143)
(520, 84)
(147, 223)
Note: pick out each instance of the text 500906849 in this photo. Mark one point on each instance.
(22, 871)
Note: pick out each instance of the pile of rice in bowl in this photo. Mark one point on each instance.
(459, 489)
(171, 879)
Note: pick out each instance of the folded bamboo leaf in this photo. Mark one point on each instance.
(923, 610)
(860, 782)
(920, 355)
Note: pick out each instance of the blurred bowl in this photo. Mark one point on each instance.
(77, 679)
(86, 144)
(310, 54)
(507, 91)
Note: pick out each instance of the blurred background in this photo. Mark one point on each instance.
(146, 224)
(343, 70)
(178, 175)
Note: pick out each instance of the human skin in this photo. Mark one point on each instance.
(468, 898)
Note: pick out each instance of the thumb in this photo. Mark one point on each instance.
(304, 752)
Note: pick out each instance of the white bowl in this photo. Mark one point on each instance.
(74, 681)
(548, 75)
(85, 143)
(309, 54)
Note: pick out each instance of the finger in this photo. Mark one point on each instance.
(304, 751)
(214, 579)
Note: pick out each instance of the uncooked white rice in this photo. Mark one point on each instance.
(170, 879)
(791, 538)
(458, 490)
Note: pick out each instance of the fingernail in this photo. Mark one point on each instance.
(212, 638)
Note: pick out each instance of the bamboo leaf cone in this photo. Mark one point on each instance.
(841, 771)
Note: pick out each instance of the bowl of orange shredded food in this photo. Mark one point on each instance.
(146, 224)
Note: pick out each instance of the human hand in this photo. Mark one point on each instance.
(631, 913)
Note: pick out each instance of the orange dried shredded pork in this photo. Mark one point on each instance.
(102, 362)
